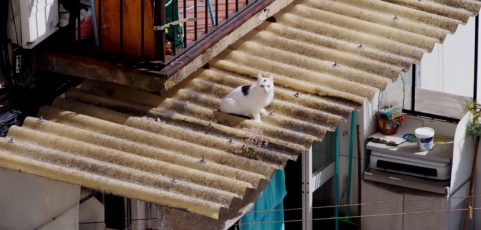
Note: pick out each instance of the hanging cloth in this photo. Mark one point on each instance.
(270, 199)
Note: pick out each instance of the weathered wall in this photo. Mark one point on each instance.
(30, 202)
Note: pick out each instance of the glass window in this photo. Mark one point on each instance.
(444, 79)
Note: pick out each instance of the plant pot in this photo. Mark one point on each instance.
(387, 127)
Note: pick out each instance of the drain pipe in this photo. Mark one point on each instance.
(351, 144)
(336, 178)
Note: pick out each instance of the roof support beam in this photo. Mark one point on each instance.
(89, 67)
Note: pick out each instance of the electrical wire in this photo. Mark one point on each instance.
(319, 219)
(344, 205)
(360, 216)
(367, 203)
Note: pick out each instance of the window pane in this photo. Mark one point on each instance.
(439, 103)
(394, 93)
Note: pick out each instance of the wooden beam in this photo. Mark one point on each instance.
(226, 34)
(90, 67)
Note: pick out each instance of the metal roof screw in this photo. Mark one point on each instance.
(360, 46)
(11, 141)
(173, 181)
(296, 94)
(40, 119)
(203, 161)
(395, 18)
(334, 65)
(231, 141)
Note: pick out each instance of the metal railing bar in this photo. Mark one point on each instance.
(195, 22)
(121, 27)
(185, 24)
(216, 12)
(159, 19)
(142, 28)
(173, 12)
(99, 20)
(78, 21)
(226, 9)
(206, 14)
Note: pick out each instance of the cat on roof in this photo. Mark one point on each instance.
(250, 100)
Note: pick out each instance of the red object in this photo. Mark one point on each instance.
(86, 27)
(387, 127)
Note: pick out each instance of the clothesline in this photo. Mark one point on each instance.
(361, 216)
(361, 204)
(332, 206)
(324, 218)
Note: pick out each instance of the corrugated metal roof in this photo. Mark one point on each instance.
(177, 150)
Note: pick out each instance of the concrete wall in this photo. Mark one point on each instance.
(91, 213)
(30, 202)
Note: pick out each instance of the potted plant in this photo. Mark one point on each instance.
(473, 129)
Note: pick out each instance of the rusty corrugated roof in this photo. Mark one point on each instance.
(177, 150)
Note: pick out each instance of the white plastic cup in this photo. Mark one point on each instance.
(424, 137)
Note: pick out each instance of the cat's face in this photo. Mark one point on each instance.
(265, 83)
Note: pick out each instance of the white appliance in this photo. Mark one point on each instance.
(420, 164)
(31, 21)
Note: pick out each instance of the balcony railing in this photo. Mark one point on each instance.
(160, 33)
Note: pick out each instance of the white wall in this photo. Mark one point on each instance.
(366, 119)
(450, 67)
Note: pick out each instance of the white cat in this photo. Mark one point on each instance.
(250, 100)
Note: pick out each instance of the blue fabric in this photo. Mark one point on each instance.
(270, 199)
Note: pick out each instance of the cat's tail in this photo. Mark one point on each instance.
(230, 105)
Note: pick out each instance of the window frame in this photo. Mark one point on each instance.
(413, 110)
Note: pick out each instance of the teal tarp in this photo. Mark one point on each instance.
(271, 199)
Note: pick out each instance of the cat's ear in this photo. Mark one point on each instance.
(271, 77)
(259, 77)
